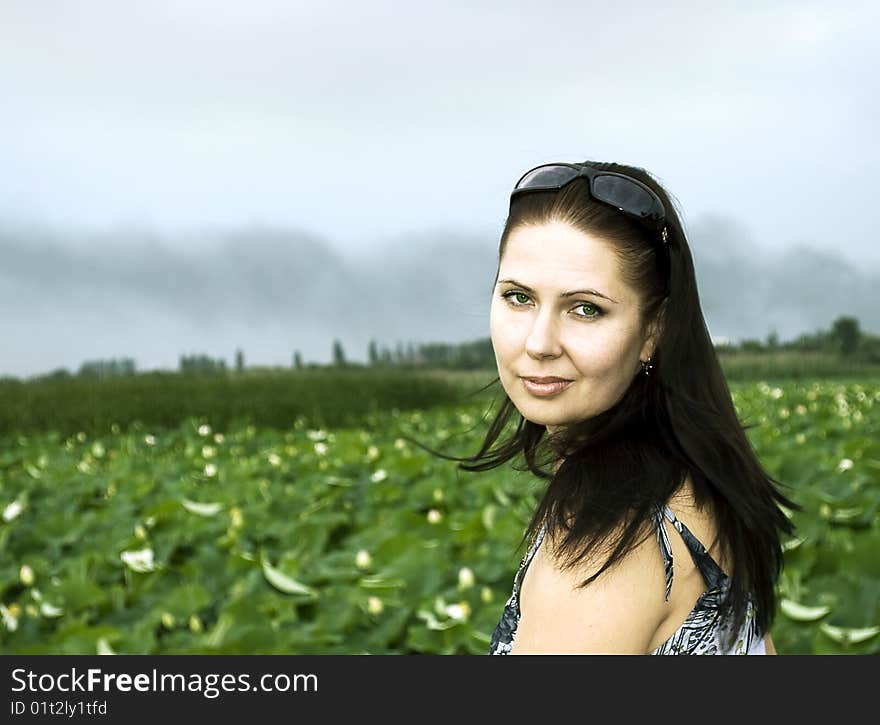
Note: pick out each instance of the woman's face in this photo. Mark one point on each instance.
(561, 309)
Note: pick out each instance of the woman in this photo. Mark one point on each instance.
(603, 352)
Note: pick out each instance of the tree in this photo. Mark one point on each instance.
(201, 365)
(297, 360)
(373, 353)
(338, 354)
(845, 332)
(239, 360)
(112, 368)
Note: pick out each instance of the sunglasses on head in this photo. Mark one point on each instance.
(624, 193)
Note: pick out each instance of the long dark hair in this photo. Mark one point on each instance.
(616, 470)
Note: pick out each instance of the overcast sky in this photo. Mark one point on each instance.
(367, 123)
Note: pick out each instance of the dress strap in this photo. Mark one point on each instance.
(713, 575)
(527, 559)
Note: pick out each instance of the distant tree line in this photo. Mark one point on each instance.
(469, 355)
(201, 365)
(845, 338)
(113, 368)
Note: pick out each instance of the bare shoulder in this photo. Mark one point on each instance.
(618, 612)
(702, 522)
(687, 580)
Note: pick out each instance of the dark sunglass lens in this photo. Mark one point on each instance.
(547, 176)
(623, 194)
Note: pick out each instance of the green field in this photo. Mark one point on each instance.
(272, 398)
(232, 537)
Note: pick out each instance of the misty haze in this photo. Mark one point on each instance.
(271, 291)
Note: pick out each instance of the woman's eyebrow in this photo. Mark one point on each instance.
(563, 294)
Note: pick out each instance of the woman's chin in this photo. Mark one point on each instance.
(552, 423)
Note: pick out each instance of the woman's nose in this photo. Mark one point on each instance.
(543, 339)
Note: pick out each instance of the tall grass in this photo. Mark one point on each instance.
(324, 396)
(272, 399)
(793, 365)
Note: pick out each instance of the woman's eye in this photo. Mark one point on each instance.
(591, 310)
(521, 298)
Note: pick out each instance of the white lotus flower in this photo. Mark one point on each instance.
(459, 612)
(374, 605)
(379, 475)
(12, 510)
(844, 465)
(140, 560)
(10, 621)
(204, 430)
(210, 469)
(26, 574)
(150, 440)
(321, 448)
(362, 559)
(465, 578)
(47, 610)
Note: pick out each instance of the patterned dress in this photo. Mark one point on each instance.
(704, 631)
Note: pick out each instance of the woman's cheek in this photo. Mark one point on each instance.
(598, 354)
(509, 330)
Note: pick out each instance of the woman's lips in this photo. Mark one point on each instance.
(544, 389)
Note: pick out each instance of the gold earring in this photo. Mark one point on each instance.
(647, 366)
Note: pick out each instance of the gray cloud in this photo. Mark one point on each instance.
(748, 290)
(271, 291)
